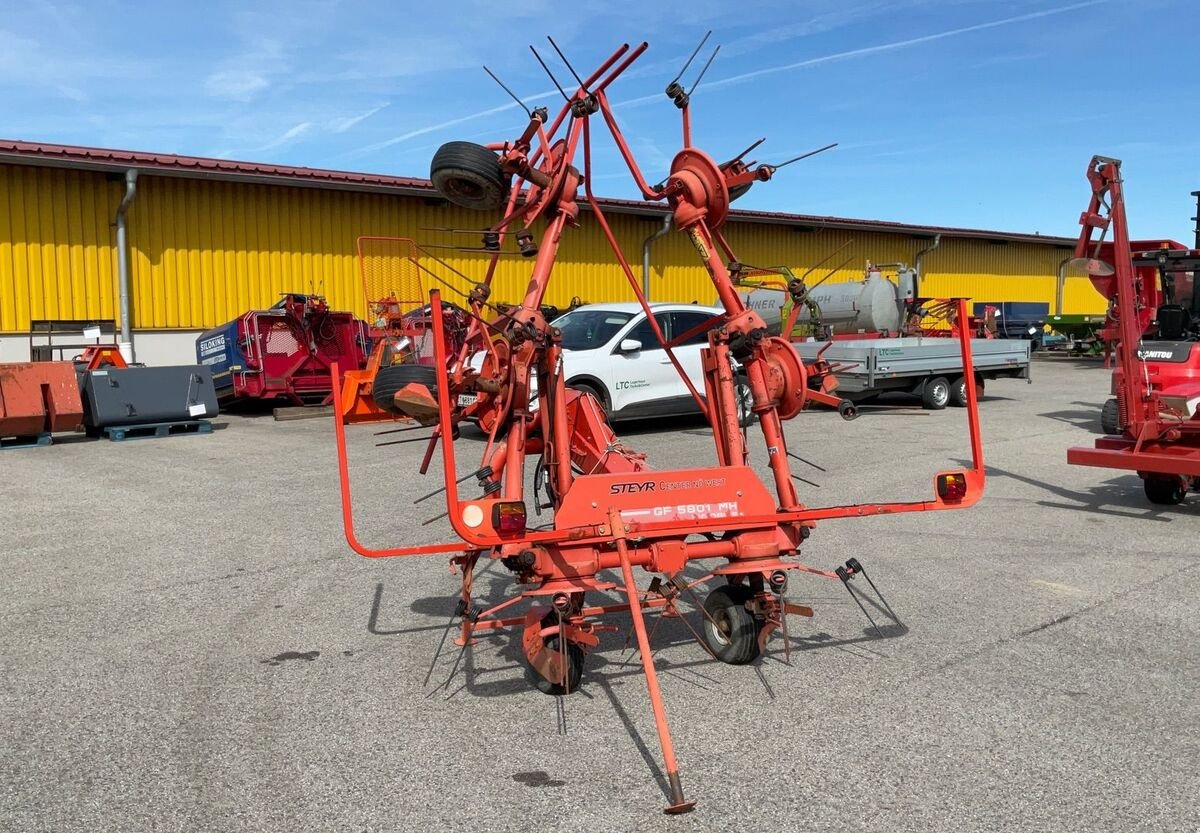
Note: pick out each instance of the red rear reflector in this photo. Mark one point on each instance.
(952, 488)
(509, 517)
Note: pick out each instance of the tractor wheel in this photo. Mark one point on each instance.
(574, 670)
(743, 399)
(392, 378)
(469, 175)
(936, 393)
(1110, 418)
(730, 630)
(1165, 490)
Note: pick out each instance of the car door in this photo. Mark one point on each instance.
(688, 354)
(642, 379)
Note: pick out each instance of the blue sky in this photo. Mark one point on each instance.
(948, 112)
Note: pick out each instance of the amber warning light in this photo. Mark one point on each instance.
(509, 516)
(952, 488)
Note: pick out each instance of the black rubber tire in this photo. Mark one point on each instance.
(1110, 418)
(958, 392)
(739, 191)
(392, 378)
(594, 390)
(935, 393)
(743, 400)
(574, 670)
(847, 410)
(733, 638)
(469, 175)
(1165, 490)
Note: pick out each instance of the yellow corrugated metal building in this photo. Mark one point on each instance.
(211, 239)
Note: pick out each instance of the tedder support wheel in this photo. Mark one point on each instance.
(847, 410)
(469, 175)
(730, 630)
(739, 191)
(1110, 419)
(1165, 489)
(936, 393)
(391, 378)
(574, 670)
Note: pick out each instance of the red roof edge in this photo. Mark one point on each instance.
(78, 156)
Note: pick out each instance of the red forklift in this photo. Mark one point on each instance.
(1153, 328)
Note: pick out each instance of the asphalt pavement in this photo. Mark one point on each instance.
(189, 644)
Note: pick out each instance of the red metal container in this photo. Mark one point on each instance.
(39, 397)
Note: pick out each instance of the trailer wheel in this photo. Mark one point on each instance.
(574, 670)
(391, 378)
(958, 392)
(1165, 490)
(730, 630)
(469, 175)
(1110, 418)
(936, 393)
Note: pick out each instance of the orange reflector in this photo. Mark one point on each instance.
(509, 516)
(952, 488)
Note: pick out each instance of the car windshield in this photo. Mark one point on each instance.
(587, 329)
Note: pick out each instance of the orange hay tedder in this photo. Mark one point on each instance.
(609, 510)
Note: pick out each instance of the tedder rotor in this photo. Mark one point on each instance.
(609, 511)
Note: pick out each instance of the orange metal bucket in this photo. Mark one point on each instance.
(36, 397)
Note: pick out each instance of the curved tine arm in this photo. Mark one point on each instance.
(613, 128)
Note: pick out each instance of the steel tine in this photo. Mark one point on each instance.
(442, 643)
(699, 638)
(863, 608)
(787, 639)
(891, 612)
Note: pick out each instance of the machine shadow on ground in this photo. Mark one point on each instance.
(1123, 491)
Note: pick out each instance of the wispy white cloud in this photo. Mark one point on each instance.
(876, 49)
(343, 124)
(902, 44)
(236, 85)
(421, 131)
(290, 135)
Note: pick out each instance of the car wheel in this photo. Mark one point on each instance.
(743, 399)
(595, 391)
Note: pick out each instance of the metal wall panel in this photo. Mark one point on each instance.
(56, 245)
(204, 251)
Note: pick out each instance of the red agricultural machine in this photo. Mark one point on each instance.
(609, 512)
(284, 352)
(400, 330)
(1154, 326)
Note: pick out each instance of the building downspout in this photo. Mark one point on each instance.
(917, 273)
(666, 226)
(1060, 284)
(126, 344)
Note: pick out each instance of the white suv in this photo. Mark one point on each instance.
(611, 351)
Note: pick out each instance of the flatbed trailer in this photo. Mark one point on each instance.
(925, 366)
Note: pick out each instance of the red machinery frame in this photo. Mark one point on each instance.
(616, 516)
(1157, 440)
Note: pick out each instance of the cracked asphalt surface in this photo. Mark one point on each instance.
(189, 644)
